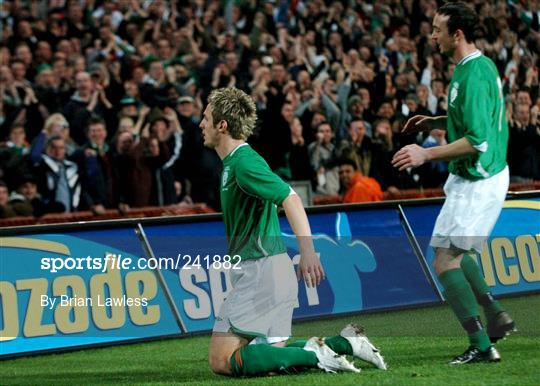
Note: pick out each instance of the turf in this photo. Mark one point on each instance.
(416, 344)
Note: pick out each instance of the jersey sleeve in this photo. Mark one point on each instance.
(476, 113)
(256, 179)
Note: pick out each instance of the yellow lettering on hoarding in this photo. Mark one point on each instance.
(503, 248)
(80, 310)
(10, 312)
(37, 244)
(530, 268)
(34, 312)
(113, 281)
(148, 281)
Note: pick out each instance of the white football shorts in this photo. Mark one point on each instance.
(261, 302)
(470, 211)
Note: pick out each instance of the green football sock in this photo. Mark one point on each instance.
(460, 297)
(260, 359)
(480, 288)
(339, 344)
(480, 339)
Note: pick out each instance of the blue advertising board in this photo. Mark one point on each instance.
(67, 290)
(186, 252)
(54, 286)
(510, 258)
(368, 260)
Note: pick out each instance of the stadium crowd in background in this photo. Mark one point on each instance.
(100, 101)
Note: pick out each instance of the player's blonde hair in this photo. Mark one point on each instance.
(236, 108)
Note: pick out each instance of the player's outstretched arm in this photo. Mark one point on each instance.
(310, 267)
(424, 123)
(412, 156)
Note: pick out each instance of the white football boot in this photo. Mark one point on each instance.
(329, 361)
(362, 347)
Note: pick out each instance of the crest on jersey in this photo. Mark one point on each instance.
(454, 92)
(225, 176)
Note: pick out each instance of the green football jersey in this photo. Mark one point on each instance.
(250, 194)
(476, 111)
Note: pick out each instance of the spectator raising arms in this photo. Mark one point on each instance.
(359, 67)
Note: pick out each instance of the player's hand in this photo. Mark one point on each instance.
(310, 269)
(410, 156)
(419, 123)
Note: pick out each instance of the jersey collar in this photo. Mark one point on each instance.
(471, 56)
(236, 148)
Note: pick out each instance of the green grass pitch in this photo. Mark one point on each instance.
(417, 345)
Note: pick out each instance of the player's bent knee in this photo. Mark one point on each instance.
(219, 364)
(222, 347)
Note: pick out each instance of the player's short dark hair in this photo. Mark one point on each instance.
(462, 17)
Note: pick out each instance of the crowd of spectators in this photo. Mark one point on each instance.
(100, 101)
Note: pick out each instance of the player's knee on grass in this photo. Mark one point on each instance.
(222, 347)
(219, 363)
